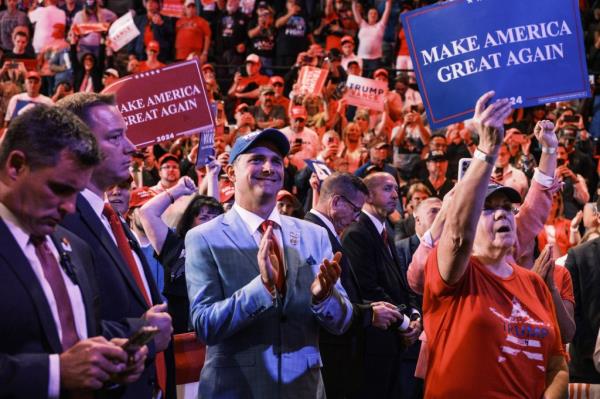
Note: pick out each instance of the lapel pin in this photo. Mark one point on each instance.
(294, 238)
(66, 245)
(311, 261)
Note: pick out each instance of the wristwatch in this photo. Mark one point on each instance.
(482, 156)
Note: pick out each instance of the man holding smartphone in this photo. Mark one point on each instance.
(304, 141)
(50, 342)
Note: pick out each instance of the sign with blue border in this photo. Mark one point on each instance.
(531, 52)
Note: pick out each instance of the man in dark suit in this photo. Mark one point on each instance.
(47, 298)
(341, 198)
(582, 262)
(124, 279)
(369, 246)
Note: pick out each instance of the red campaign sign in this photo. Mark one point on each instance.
(365, 93)
(89, 27)
(163, 104)
(172, 8)
(312, 79)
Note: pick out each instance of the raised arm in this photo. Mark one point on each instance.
(356, 12)
(456, 242)
(150, 214)
(536, 204)
(386, 12)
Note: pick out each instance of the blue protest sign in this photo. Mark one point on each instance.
(529, 51)
(206, 142)
(319, 168)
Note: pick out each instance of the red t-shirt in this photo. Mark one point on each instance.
(564, 284)
(489, 337)
(189, 35)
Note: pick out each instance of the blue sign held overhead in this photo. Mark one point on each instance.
(531, 52)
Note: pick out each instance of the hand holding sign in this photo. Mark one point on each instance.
(520, 45)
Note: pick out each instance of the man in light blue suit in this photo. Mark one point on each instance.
(258, 298)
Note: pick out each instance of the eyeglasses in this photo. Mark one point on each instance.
(300, 120)
(505, 207)
(355, 209)
(277, 84)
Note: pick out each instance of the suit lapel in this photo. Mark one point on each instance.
(82, 278)
(337, 247)
(236, 230)
(291, 236)
(15, 259)
(135, 245)
(389, 258)
(97, 229)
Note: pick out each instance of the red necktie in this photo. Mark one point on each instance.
(384, 235)
(280, 283)
(59, 290)
(125, 250)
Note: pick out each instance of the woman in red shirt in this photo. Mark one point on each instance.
(491, 325)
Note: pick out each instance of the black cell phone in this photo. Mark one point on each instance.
(330, 139)
(140, 338)
(414, 108)
(298, 141)
(571, 118)
(560, 162)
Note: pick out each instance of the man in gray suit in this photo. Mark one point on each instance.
(258, 295)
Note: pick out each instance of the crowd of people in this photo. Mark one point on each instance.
(403, 272)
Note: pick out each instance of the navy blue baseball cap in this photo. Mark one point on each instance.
(512, 194)
(273, 136)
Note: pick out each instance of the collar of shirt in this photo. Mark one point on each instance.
(253, 221)
(327, 222)
(378, 225)
(14, 226)
(96, 202)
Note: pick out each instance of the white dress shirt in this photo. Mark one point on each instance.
(22, 237)
(97, 205)
(327, 222)
(253, 222)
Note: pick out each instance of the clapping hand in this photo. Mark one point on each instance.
(328, 275)
(544, 266)
(267, 261)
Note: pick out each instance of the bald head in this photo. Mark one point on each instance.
(376, 179)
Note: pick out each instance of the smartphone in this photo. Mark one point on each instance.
(140, 338)
(463, 165)
(571, 118)
(414, 108)
(560, 162)
(298, 141)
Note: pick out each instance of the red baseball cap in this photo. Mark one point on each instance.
(140, 196)
(33, 75)
(347, 39)
(381, 71)
(298, 111)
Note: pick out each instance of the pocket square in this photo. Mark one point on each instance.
(311, 261)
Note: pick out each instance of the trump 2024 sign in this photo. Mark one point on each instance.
(163, 104)
(530, 51)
